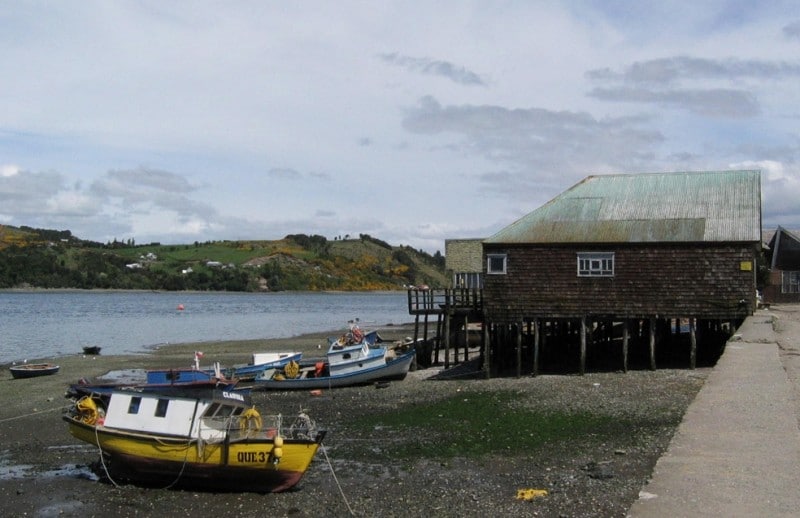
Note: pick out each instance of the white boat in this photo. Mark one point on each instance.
(343, 366)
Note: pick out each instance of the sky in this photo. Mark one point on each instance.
(413, 122)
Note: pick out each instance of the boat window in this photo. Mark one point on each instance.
(133, 407)
(161, 407)
(346, 356)
(211, 410)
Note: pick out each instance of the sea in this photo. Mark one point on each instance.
(48, 324)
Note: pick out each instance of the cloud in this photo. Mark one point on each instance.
(779, 187)
(706, 87)
(9, 169)
(427, 66)
(663, 71)
(535, 142)
(24, 191)
(143, 188)
(710, 102)
(284, 173)
(792, 30)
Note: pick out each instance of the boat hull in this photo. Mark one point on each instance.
(33, 370)
(395, 369)
(245, 465)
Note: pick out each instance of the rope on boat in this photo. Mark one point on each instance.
(330, 465)
(102, 460)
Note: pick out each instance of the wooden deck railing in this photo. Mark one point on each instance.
(437, 301)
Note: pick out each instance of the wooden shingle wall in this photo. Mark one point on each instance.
(675, 280)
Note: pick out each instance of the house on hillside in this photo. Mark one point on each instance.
(783, 254)
(620, 257)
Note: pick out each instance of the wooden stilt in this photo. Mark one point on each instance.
(536, 338)
(447, 318)
(693, 343)
(466, 338)
(583, 346)
(487, 349)
(519, 349)
(652, 344)
(625, 340)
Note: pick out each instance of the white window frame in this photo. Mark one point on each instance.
(595, 264)
(495, 257)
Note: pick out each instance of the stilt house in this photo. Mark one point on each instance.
(617, 257)
(784, 268)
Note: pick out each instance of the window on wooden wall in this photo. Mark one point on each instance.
(595, 264)
(496, 264)
(790, 282)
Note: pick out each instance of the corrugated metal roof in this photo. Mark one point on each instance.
(708, 206)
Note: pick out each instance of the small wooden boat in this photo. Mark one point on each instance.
(211, 439)
(33, 370)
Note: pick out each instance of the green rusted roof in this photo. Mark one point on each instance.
(708, 206)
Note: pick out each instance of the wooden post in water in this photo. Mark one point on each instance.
(583, 346)
(487, 348)
(625, 338)
(447, 318)
(439, 334)
(693, 343)
(466, 338)
(652, 344)
(536, 347)
(519, 349)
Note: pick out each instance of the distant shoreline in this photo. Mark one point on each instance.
(118, 290)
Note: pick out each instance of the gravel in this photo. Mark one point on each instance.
(366, 471)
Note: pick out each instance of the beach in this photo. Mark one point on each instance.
(368, 472)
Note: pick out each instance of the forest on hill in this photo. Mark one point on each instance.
(50, 259)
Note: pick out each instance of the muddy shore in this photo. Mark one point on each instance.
(362, 472)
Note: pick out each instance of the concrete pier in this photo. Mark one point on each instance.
(737, 450)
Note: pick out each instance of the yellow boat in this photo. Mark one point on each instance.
(210, 439)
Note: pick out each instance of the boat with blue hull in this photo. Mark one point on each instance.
(355, 358)
(196, 374)
(342, 367)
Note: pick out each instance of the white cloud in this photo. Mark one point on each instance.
(8, 169)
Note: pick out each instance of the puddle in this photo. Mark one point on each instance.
(72, 471)
(11, 471)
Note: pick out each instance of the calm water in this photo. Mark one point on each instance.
(48, 324)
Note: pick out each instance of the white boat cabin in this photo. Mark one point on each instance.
(354, 358)
(164, 414)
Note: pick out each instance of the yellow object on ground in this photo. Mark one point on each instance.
(530, 494)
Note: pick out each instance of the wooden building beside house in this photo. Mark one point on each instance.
(623, 261)
(783, 254)
(463, 262)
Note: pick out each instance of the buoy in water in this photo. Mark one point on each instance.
(180, 307)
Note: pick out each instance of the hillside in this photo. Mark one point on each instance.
(39, 258)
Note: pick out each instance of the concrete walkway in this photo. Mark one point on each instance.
(737, 451)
